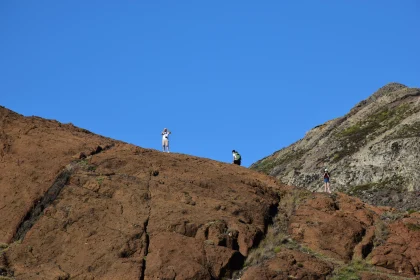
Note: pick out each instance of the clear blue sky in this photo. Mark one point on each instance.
(253, 76)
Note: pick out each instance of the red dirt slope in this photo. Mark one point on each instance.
(123, 212)
(32, 152)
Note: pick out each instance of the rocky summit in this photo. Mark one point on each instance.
(75, 205)
(373, 152)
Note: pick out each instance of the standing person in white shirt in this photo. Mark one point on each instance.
(165, 140)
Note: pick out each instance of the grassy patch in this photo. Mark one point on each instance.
(411, 211)
(267, 164)
(354, 269)
(84, 164)
(350, 271)
(381, 226)
(277, 236)
(390, 216)
(291, 199)
(3, 248)
(100, 180)
(405, 131)
(355, 136)
(274, 243)
(268, 247)
(395, 183)
(382, 229)
(91, 168)
(413, 227)
(362, 188)
(381, 233)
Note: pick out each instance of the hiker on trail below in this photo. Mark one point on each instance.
(327, 181)
(165, 140)
(236, 157)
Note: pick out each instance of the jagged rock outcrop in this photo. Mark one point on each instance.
(319, 236)
(373, 152)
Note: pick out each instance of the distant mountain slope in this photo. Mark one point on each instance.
(372, 152)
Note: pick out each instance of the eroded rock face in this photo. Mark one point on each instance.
(332, 225)
(120, 211)
(346, 229)
(319, 236)
(401, 251)
(372, 152)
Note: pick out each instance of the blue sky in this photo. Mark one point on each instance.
(253, 76)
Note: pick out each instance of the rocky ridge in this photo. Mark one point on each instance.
(372, 152)
(75, 205)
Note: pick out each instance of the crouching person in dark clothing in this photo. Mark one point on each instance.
(236, 157)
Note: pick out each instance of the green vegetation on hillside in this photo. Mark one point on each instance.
(277, 236)
(266, 165)
(355, 136)
(406, 130)
(395, 183)
(413, 227)
(350, 271)
(3, 248)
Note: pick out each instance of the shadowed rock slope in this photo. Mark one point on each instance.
(75, 205)
(373, 152)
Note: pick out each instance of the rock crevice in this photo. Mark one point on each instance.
(36, 211)
(146, 238)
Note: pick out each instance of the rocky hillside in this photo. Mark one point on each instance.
(372, 152)
(75, 205)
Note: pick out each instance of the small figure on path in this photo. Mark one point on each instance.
(165, 140)
(327, 181)
(236, 157)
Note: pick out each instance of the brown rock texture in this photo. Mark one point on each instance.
(75, 205)
(334, 225)
(290, 264)
(347, 229)
(80, 206)
(322, 236)
(32, 152)
(401, 251)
